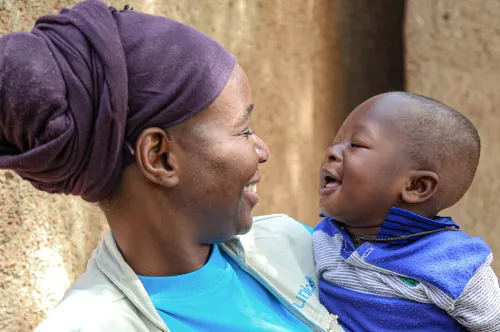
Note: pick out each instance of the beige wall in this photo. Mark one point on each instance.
(309, 63)
(44, 244)
(452, 54)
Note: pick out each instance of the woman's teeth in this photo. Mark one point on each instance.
(251, 188)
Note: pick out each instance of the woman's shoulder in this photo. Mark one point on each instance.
(280, 220)
(280, 229)
(93, 303)
(279, 238)
(278, 251)
(82, 310)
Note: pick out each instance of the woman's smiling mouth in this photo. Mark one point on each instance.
(250, 192)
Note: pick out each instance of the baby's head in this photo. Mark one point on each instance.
(398, 150)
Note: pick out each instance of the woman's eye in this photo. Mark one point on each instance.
(354, 145)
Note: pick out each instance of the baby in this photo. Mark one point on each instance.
(385, 260)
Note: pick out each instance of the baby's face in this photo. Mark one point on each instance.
(364, 171)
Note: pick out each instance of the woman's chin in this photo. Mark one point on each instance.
(245, 220)
(245, 225)
(242, 226)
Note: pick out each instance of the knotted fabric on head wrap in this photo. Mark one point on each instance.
(77, 91)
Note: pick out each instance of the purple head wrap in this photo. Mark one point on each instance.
(77, 91)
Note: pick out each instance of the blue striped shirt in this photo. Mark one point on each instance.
(440, 281)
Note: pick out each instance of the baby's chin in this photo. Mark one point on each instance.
(331, 207)
(327, 212)
(339, 217)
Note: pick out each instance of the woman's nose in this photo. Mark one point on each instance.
(261, 149)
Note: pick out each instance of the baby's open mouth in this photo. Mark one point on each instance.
(331, 182)
(251, 188)
(329, 179)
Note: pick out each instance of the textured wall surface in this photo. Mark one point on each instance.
(309, 63)
(452, 52)
(45, 242)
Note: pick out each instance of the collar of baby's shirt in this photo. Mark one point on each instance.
(399, 222)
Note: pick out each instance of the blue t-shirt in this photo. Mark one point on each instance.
(218, 297)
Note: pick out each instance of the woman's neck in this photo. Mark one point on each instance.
(155, 244)
(152, 256)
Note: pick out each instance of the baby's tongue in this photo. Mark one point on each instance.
(332, 184)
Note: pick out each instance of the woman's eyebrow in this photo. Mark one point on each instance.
(244, 116)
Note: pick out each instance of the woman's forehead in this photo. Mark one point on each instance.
(235, 100)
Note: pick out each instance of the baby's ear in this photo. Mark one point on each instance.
(420, 187)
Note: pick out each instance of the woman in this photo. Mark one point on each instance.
(151, 119)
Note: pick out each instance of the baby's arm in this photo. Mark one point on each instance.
(478, 307)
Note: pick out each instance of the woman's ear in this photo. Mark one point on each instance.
(155, 158)
(420, 187)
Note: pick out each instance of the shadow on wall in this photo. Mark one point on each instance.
(372, 44)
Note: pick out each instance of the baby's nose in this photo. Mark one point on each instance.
(333, 153)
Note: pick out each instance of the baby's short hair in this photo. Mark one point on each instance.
(442, 140)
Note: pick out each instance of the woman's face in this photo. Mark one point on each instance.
(219, 164)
